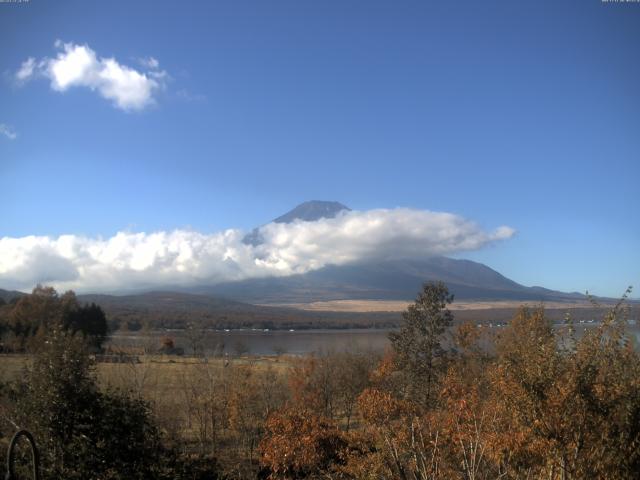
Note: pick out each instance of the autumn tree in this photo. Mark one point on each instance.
(205, 390)
(30, 316)
(566, 409)
(299, 443)
(196, 335)
(352, 376)
(253, 398)
(27, 322)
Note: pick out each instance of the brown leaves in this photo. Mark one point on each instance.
(536, 409)
(301, 443)
(380, 408)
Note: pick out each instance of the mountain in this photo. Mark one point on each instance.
(161, 300)
(307, 211)
(312, 211)
(372, 280)
(387, 280)
(8, 295)
(176, 310)
(170, 309)
(380, 280)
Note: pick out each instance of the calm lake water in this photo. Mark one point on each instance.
(263, 342)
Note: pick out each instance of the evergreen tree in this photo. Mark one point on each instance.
(89, 320)
(83, 433)
(418, 344)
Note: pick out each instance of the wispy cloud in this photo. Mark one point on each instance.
(8, 131)
(26, 70)
(149, 62)
(79, 66)
(187, 96)
(134, 260)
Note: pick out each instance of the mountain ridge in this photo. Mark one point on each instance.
(385, 280)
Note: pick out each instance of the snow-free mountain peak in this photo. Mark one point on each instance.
(308, 211)
(312, 211)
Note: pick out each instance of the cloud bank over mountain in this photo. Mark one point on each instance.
(184, 257)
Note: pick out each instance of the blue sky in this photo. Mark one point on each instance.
(524, 114)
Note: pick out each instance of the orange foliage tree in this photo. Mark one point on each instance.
(299, 443)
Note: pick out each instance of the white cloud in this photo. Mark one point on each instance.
(76, 66)
(26, 70)
(79, 66)
(8, 131)
(183, 257)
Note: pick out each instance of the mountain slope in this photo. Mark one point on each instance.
(8, 295)
(159, 300)
(170, 309)
(387, 280)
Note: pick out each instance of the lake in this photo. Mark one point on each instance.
(271, 342)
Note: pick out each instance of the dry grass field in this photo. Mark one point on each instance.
(354, 306)
(11, 366)
(157, 376)
(210, 406)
